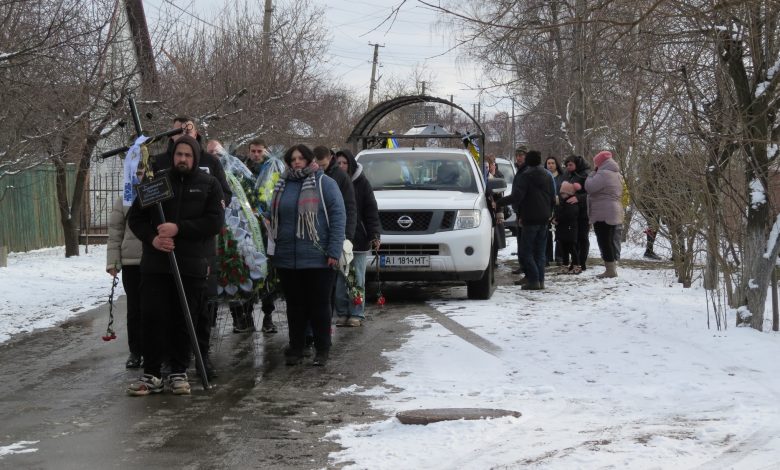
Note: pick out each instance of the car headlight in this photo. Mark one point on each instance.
(467, 219)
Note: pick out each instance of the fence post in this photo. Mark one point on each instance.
(774, 300)
(3, 256)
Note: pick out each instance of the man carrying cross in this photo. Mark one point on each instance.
(193, 217)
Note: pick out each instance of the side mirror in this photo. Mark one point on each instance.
(496, 185)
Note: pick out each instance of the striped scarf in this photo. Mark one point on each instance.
(308, 202)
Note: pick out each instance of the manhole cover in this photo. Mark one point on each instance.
(434, 415)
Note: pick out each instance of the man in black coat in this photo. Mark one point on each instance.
(535, 199)
(211, 165)
(520, 167)
(193, 217)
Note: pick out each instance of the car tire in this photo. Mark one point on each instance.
(483, 288)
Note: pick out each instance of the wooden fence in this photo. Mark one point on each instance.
(29, 218)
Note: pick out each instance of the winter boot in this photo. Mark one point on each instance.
(268, 324)
(532, 286)
(611, 270)
(243, 322)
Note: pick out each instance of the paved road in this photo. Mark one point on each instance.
(65, 388)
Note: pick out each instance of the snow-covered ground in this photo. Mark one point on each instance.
(42, 288)
(619, 373)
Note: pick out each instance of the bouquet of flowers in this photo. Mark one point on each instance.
(356, 293)
(242, 261)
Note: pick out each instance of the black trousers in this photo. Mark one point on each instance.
(131, 281)
(583, 241)
(569, 251)
(308, 293)
(605, 236)
(164, 328)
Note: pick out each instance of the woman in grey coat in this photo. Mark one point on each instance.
(605, 211)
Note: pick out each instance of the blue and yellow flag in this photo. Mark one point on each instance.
(473, 148)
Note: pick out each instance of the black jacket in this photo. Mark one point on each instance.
(516, 184)
(348, 193)
(533, 195)
(196, 209)
(566, 215)
(368, 227)
(580, 174)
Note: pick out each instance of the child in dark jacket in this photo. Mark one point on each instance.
(566, 214)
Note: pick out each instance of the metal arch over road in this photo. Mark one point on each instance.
(362, 132)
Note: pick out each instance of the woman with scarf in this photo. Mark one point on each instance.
(306, 235)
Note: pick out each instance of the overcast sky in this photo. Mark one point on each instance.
(413, 40)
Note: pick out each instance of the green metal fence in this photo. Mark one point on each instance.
(29, 218)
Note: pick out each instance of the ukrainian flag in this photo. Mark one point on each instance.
(473, 149)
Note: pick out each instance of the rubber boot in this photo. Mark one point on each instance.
(611, 270)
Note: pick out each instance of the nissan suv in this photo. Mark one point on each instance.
(435, 216)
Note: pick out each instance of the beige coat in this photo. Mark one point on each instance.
(124, 248)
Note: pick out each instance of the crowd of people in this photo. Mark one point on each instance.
(317, 209)
(556, 206)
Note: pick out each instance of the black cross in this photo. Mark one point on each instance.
(185, 308)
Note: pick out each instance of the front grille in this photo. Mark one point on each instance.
(447, 221)
(420, 221)
(409, 249)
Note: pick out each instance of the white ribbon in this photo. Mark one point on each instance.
(132, 159)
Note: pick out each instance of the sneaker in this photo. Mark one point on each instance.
(651, 255)
(268, 325)
(354, 321)
(342, 321)
(532, 286)
(576, 270)
(146, 385)
(320, 359)
(517, 271)
(179, 384)
(521, 282)
(134, 361)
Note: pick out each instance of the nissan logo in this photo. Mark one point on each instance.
(405, 221)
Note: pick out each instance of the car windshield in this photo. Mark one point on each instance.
(506, 170)
(393, 171)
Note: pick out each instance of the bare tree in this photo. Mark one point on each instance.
(63, 91)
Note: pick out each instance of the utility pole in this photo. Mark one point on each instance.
(142, 43)
(423, 87)
(373, 75)
(514, 132)
(267, 34)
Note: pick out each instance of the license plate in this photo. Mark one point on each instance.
(404, 260)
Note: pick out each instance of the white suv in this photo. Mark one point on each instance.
(435, 216)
